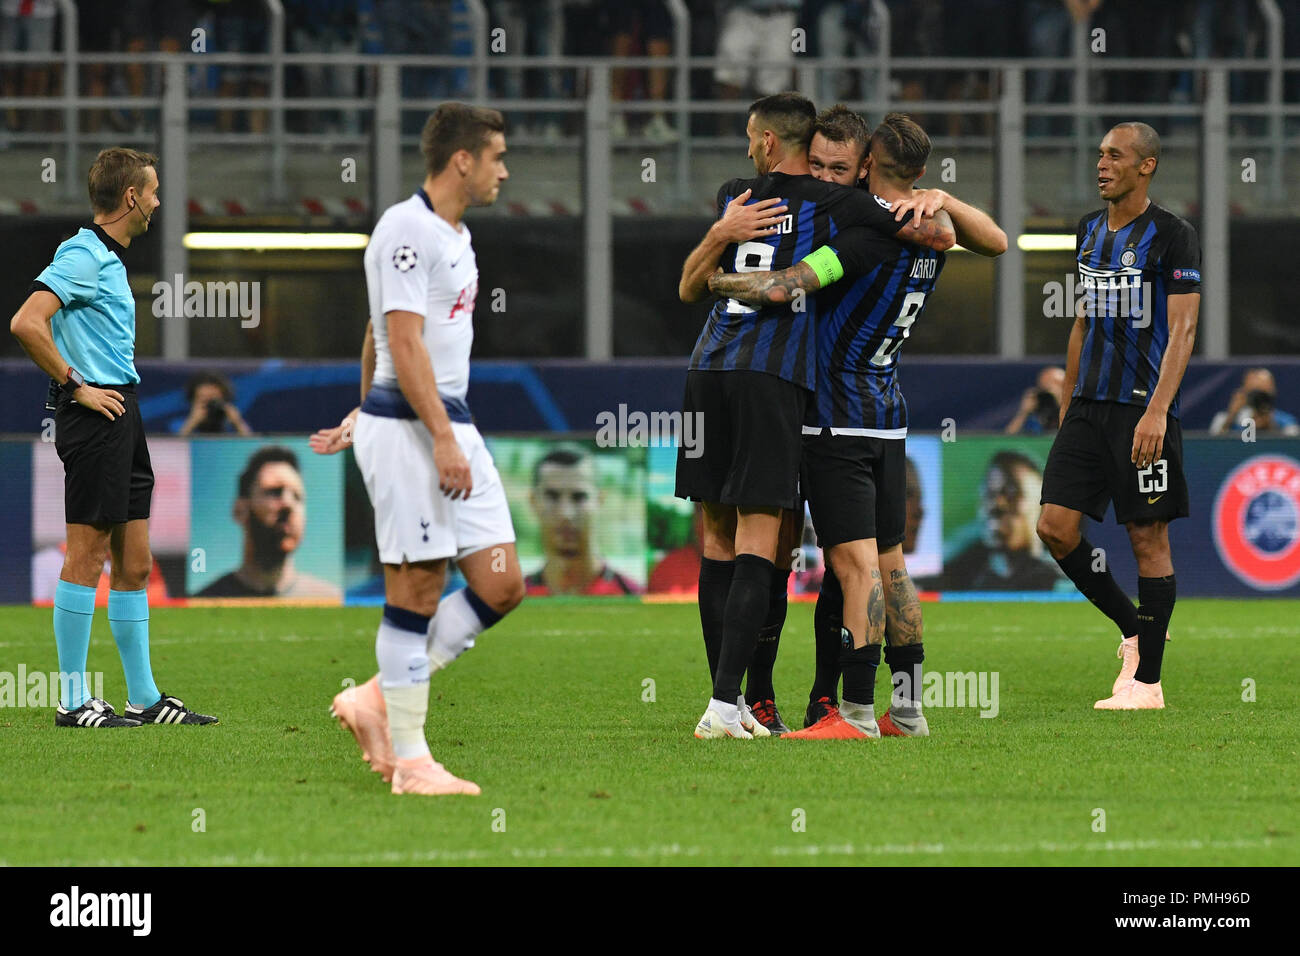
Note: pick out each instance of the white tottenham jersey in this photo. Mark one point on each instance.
(416, 262)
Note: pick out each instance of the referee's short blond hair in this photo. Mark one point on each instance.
(113, 170)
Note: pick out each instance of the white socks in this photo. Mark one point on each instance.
(407, 709)
(453, 629)
(410, 647)
(404, 679)
(729, 712)
(857, 712)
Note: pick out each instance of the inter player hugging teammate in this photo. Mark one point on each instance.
(854, 466)
(751, 376)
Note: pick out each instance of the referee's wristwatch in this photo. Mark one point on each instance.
(74, 382)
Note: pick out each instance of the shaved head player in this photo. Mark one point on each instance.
(1120, 440)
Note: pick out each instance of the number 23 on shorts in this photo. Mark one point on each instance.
(1154, 478)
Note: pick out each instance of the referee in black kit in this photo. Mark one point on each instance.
(78, 325)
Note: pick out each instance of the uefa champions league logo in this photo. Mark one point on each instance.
(1256, 522)
(1270, 522)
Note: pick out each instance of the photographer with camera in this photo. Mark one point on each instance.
(1255, 401)
(1040, 407)
(212, 406)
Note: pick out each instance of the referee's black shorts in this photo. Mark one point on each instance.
(856, 488)
(107, 475)
(751, 436)
(1091, 465)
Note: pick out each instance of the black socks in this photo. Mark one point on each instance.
(746, 609)
(1100, 588)
(715, 583)
(1149, 621)
(905, 671)
(828, 618)
(758, 685)
(1156, 598)
(859, 668)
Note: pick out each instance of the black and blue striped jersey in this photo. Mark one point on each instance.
(1127, 276)
(863, 324)
(781, 340)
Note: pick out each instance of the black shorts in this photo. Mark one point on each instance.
(107, 475)
(1090, 465)
(856, 488)
(750, 425)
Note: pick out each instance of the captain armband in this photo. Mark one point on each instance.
(826, 264)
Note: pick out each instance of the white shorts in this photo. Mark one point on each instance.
(758, 44)
(414, 520)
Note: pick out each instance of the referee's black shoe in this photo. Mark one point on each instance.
(817, 709)
(93, 713)
(168, 710)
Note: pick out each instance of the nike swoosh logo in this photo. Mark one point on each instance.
(457, 262)
(1152, 501)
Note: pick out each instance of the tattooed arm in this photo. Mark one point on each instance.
(826, 265)
(937, 233)
(766, 288)
(818, 269)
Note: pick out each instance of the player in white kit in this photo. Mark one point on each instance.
(434, 488)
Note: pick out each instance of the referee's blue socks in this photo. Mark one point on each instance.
(74, 608)
(128, 617)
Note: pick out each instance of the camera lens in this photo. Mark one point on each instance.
(1260, 400)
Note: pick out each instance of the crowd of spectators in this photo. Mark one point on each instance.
(755, 35)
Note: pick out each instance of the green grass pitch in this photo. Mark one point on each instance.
(547, 715)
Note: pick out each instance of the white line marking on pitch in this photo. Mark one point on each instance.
(673, 850)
